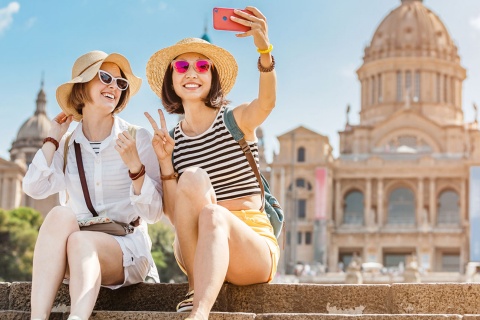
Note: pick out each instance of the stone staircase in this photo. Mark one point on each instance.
(269, 301)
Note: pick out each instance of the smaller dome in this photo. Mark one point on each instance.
(36, 127)
(206, 38)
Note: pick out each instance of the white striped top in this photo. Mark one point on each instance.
(217, 152)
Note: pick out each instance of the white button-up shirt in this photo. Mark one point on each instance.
(109, 185)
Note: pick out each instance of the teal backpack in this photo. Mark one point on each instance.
(269, 203)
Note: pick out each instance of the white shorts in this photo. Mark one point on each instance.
(135, 269)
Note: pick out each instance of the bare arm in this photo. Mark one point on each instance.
(250, 115)
(163, 145)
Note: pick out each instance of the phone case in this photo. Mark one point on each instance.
(221, 20)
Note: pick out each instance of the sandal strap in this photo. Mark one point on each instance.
(190, 293)
(188, 301)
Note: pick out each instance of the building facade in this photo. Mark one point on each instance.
(400, 186)
(27, 142)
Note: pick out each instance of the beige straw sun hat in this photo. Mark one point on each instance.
(223, 62)
(85, 69)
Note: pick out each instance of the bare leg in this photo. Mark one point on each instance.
(194, 191)
(94, 258)
(50, 260)
(220, 245)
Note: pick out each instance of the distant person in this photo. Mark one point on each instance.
(123, 180)
(221, 235)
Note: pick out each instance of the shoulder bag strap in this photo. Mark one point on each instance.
(83, 181)
(65, 152)
(239, 136)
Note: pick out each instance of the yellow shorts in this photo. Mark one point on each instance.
(259, 223)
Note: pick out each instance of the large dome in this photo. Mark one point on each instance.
(412, 30)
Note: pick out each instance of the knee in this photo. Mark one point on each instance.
(193, 180)
(60, 216)
(211, 217)
(78, 242)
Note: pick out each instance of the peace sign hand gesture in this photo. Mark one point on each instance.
(162, 143)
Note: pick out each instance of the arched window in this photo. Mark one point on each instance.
(301, 154)
(448, 208)
(401, 207)
(353, 212)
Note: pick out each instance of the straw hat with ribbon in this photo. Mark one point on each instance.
(85, 69)
(223, 62)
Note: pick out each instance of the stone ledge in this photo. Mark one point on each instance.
(4, 293)
(398, 299)
(146, 315)
(128, 315)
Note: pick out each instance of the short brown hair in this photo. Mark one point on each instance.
(79, 96)
(173, 103)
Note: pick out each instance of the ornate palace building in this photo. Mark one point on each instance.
(400, 186)
(28, 140)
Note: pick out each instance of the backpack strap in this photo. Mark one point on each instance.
(239, 136)
(171, 132)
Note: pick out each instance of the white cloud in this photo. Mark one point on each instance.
(6, 15)
(475, 22)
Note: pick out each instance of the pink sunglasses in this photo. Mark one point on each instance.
(200, 66)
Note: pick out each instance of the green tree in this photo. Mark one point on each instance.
(162, 237)
(18, 234)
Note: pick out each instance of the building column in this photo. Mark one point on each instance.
(419, 217)
(463, 202)
(2, 189)
(369, 218)
(5, 190)
(338, 203)
(433, 203)
(381, 219)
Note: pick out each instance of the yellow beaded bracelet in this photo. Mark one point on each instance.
(270, 48)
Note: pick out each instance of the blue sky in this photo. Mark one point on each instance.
(318, 45)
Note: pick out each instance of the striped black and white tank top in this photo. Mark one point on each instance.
(217, 152)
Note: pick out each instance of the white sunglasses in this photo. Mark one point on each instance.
(107, 78)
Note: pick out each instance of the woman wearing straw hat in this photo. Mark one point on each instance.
(211, 194)
(123, 183)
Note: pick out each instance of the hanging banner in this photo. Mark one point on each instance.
(321, 175)
(474, 212)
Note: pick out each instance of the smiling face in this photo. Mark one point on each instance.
(103, 98)
(192, 85)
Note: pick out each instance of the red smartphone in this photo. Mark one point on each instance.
(221, 20)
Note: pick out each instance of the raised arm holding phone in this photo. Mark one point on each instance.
(211, 194)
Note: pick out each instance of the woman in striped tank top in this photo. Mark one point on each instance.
(211, 194)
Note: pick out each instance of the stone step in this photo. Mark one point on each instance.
(146, 315)
(129, 315)
(448, 298)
